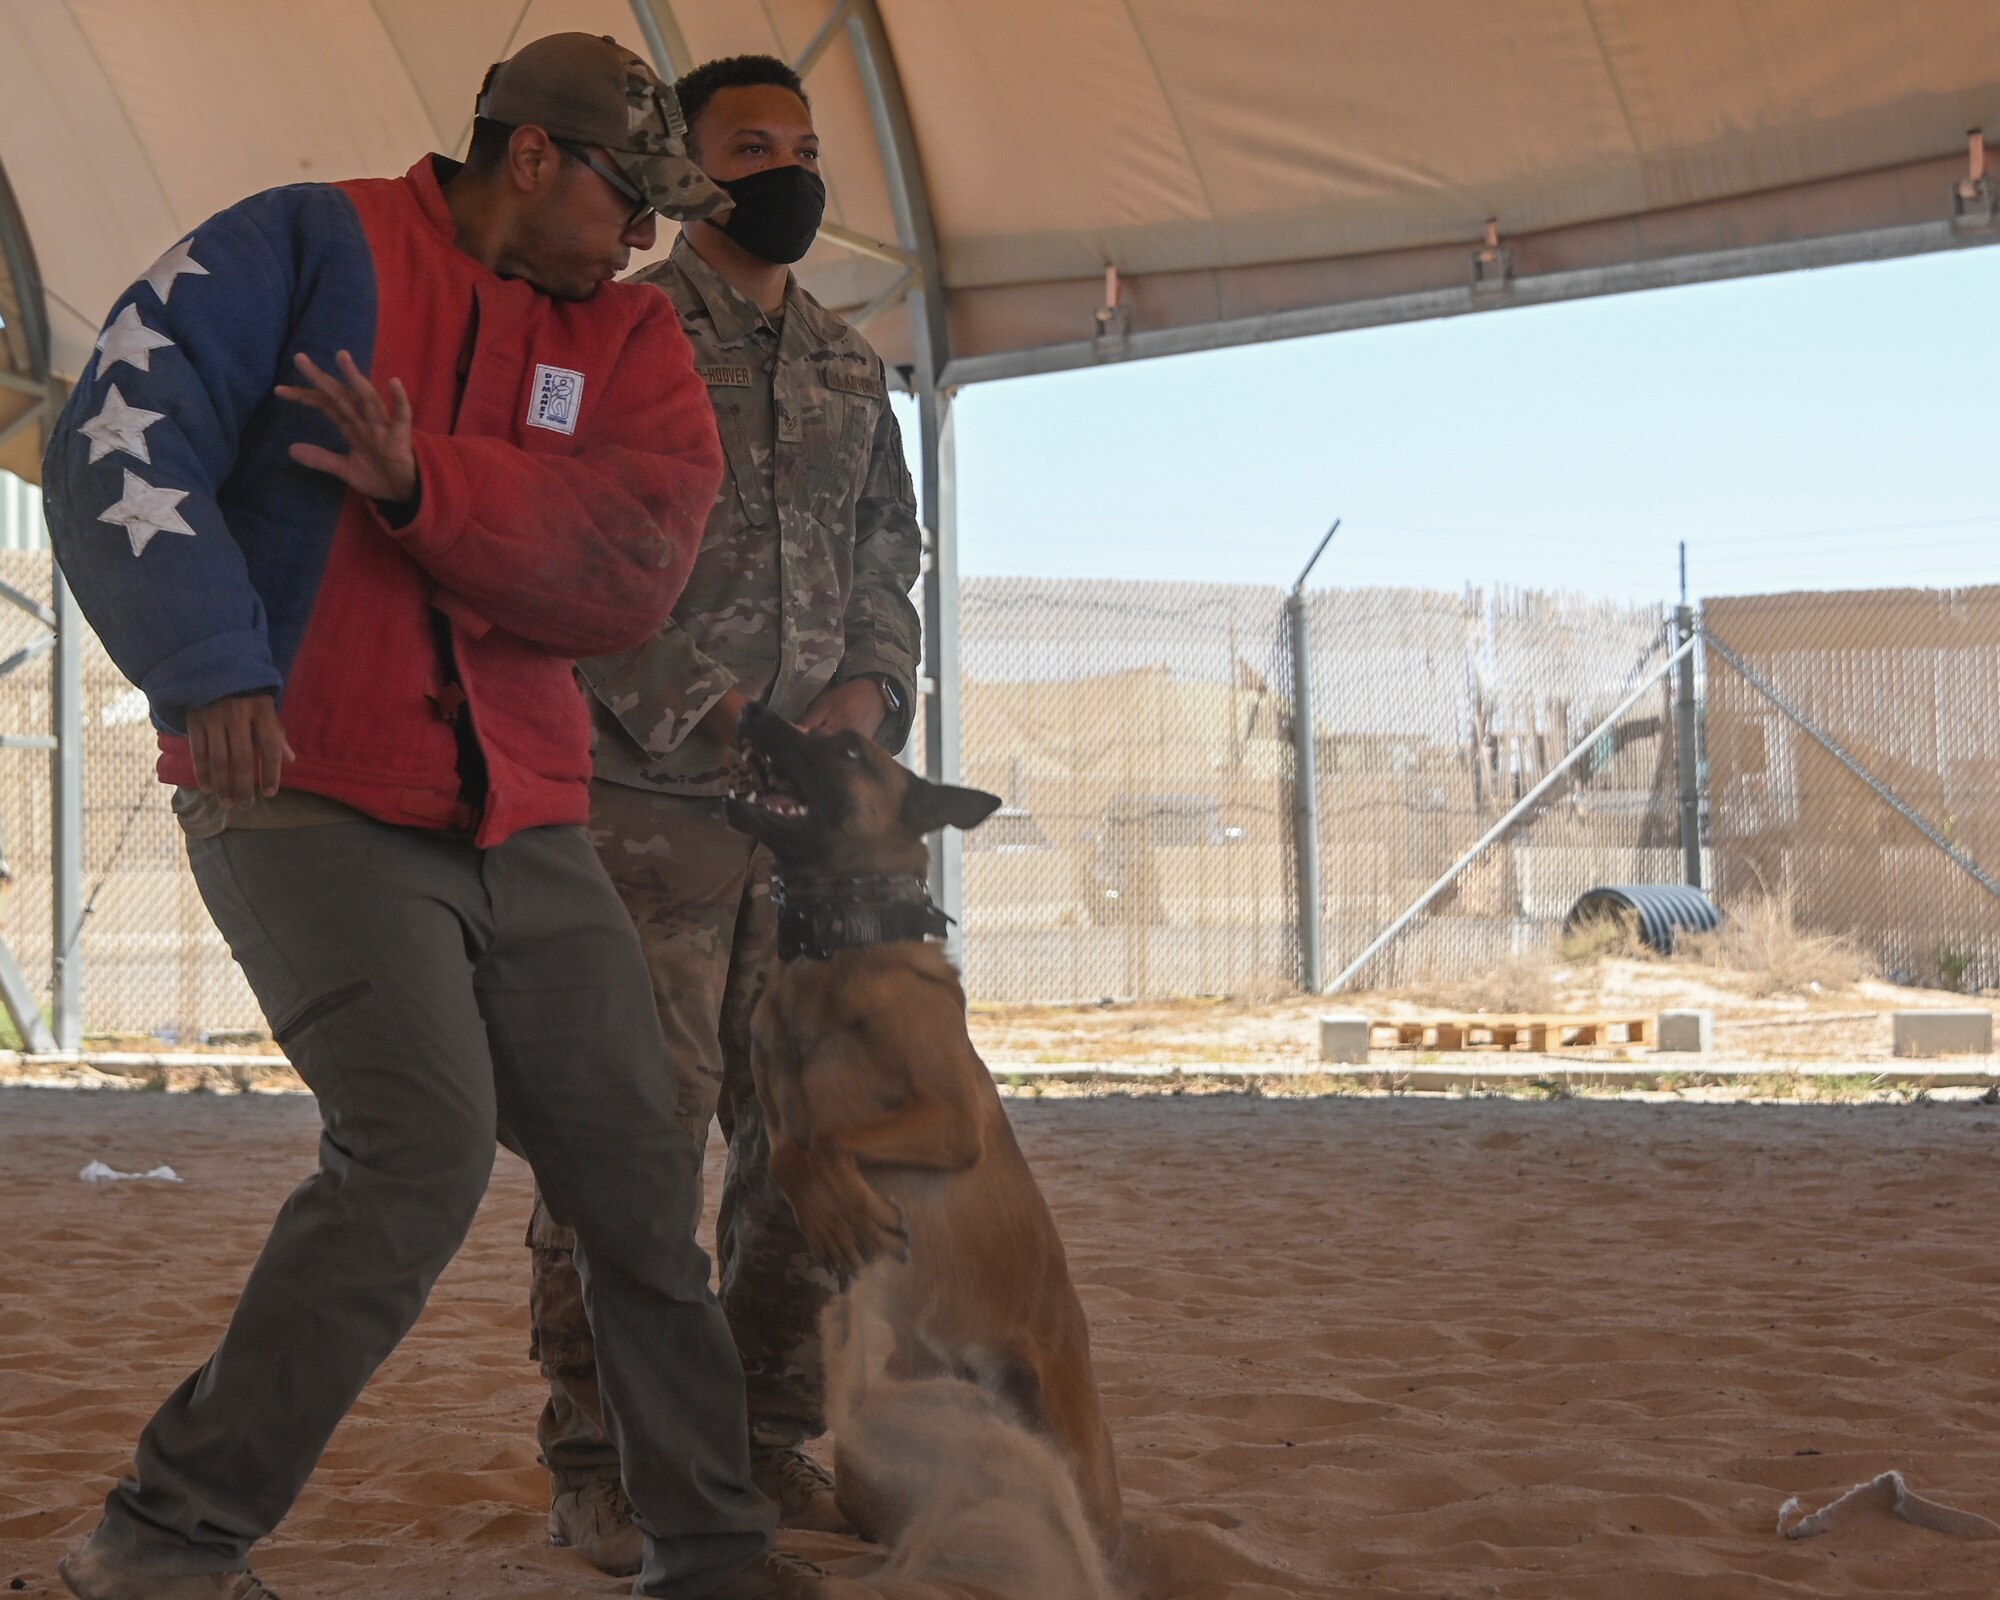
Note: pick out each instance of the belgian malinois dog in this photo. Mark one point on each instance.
(887, 1133)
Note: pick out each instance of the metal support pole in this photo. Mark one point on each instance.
(1519, 809)
(1305, 776)
(1687, 753)
(1305, 794)
(909, 202)
(942, 749)
(665, 43)
(829, 30)
(66, 771)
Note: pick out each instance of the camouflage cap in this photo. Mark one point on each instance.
(590, 89)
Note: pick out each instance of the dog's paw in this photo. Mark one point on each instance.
(884, 1231)
(824, 1239)
(848, 1238)
(836, 1238)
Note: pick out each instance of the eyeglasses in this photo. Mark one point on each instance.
(612, 176)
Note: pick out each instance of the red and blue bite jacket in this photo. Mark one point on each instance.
(567, 460)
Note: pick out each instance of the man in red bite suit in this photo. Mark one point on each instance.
(355, 472)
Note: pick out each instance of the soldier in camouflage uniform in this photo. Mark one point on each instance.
(800, 599)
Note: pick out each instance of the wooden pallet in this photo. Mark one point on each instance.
(1536, 1034)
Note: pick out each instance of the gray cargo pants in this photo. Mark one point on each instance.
(700, 895)
(431, 993)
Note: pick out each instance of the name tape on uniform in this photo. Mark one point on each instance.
(852, 380)
(725, 377)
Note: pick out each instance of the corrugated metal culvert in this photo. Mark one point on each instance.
(1656, 910)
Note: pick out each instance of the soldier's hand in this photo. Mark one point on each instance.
(381, 461)
(851, 707)
(239, 748)
(723, 719)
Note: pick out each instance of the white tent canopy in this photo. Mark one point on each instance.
(1250, 171)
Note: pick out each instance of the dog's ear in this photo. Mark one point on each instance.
(929, 806)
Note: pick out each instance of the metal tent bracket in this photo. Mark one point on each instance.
(1111, 333)
(1492, 262)
(1975, 201)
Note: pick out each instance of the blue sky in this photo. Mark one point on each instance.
(1811, 430)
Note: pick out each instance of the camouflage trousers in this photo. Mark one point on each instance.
(700, 895)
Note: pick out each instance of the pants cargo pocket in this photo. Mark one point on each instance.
(317, 1009)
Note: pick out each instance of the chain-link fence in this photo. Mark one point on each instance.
(1142, 737)
(26, 818)
(1906, 684)
(154, 967)
(1138, 734)
(1435, 714)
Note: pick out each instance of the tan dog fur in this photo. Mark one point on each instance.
(889, 1137)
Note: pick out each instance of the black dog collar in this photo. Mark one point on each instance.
(851, 914)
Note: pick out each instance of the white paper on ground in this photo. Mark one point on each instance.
(1887, 1493)
(98, 1172)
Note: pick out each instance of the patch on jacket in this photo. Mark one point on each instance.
(851, 380)
(724, 377)
(555, 399)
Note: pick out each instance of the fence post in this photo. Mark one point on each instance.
(1305, 776)
(1687, 753)
(66, 761)
(1305, 792)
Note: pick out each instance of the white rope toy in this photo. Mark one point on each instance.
(1893, 1495)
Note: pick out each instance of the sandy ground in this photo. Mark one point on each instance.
(1349, 1347)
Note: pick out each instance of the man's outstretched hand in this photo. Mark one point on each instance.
(239, 748)
(380, 461)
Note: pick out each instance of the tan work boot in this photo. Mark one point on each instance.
(91, 1577)
(595, 1520)
(802, 1488)
(776, 1576)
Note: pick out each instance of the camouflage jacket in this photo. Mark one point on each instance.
(805, 568)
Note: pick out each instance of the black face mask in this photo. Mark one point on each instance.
(777, 212)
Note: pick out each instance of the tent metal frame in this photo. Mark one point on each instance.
(1963, 217)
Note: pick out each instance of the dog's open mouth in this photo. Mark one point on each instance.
(768, 791)
(778, 805)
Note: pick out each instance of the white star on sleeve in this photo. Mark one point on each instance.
(147, 510)
(161, 273)
(120, 427)
(130, 340)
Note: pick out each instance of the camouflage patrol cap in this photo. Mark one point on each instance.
(588, 88)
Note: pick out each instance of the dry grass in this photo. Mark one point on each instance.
(1526, 982)
(1608, 938)
(1763, 945)
(1759, 953)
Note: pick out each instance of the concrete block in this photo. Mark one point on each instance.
(1690, 1031)
(1943, 1033)
(1343, 1038)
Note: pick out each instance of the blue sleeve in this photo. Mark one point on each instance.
(137, 466)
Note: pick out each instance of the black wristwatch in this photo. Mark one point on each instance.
(892, 692)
